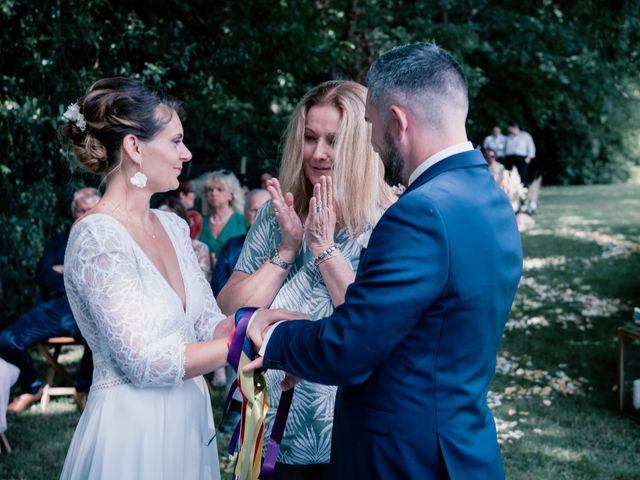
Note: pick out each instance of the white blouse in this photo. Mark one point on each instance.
(132, 319)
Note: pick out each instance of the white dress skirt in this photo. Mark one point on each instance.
(158, 433)
(142, 421)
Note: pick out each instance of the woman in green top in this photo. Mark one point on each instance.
(222, 206)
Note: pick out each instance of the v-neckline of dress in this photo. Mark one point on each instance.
(184, 306)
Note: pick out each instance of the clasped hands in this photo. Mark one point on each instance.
(319, 224)
(318, 233)
(261, 322)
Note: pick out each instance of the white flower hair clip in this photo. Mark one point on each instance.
(73, 115)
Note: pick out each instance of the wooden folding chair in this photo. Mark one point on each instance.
(51, 351)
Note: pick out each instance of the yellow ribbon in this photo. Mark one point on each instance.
(253, 387)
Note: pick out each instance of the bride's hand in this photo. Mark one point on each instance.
(321, 220)
(288, 221)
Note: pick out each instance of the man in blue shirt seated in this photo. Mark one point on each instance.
(519, 150)
(50, 317)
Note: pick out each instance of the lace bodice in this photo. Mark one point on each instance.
(132, 319)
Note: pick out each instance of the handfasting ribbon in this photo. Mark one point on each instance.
(255, 404)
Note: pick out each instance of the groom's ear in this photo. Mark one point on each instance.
(399, 120)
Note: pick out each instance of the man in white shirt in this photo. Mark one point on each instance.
(519, 151)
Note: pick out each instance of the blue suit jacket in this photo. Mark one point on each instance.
(414, 345)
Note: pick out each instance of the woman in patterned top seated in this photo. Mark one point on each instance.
(335, 188)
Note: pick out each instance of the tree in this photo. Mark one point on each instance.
(569, 77)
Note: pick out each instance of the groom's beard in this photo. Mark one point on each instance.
(392, 160)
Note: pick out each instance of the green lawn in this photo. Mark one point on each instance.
(554, 394)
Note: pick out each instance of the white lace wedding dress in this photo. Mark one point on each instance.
(142, 420)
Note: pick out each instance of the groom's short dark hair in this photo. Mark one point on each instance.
(421, 76)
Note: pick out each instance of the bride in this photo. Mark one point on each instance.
(139, 297)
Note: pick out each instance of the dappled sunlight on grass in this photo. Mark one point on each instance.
(533, 263)
(553, 393)
(56, 406)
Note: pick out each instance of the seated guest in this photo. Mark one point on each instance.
(264, 177)
(495, 167)
(231, 251)
(222, 204)
(184, 193)
(201, 248)
(496, 142)
(51, 317)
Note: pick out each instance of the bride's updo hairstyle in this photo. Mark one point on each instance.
(111, 109)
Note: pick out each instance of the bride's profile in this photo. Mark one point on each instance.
(139, 296)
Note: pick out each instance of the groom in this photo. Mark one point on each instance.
(413, 347)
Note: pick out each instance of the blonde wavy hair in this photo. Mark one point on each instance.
(227, 181)
(360, 190)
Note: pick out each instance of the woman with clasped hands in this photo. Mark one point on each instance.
(139, 297)
(303, 249)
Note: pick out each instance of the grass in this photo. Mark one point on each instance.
(554, 394)
(556, 389)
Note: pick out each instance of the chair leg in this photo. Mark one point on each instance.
(4, 444)
(44, 400)
(52, 352)
(54, 366)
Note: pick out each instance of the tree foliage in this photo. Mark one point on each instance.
(566, 70)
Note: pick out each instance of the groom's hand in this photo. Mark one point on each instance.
(263, 319)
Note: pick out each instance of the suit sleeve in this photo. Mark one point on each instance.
(403, 271)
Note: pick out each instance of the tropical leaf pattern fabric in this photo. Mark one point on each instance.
(307, 435)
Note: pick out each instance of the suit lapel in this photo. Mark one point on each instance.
(472, 158)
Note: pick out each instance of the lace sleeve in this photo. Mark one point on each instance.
(211, 315)
(103, 275)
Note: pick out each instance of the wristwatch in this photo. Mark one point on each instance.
(276, 259)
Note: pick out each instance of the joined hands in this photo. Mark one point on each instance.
(318, 234)
(257, 330)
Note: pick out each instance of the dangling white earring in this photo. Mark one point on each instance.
(139, 179)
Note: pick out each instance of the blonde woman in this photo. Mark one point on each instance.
(222, 207)
(335, 195)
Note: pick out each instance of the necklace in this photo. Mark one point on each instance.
(126, 218)
(220, 222)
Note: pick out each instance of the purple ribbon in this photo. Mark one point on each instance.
(241, 342)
